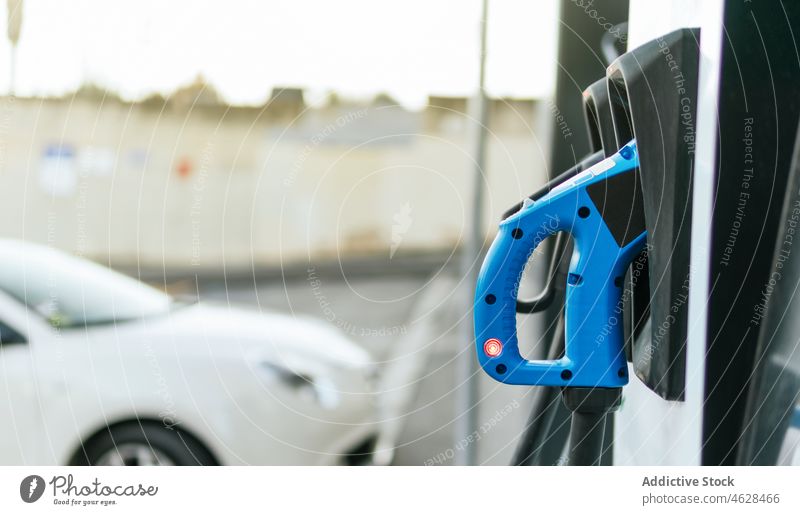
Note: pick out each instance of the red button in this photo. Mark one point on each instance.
(493, 347)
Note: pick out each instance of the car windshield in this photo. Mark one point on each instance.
(71, 292)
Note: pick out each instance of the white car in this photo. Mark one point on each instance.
(97, 368)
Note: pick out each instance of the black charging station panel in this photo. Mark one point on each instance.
(774, 396)
(599, 124)
(758, 112)
(652, 93)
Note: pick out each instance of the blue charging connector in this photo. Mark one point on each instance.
(601, 209)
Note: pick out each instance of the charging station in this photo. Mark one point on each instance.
(691, 307)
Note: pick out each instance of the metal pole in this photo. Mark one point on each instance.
(12, 78)
(13, 29)
(467, 393)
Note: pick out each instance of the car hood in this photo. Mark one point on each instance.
(257, 333)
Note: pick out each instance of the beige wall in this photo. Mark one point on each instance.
(275, 183)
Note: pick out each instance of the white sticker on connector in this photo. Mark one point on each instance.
(603, 166)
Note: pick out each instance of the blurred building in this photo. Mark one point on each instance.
(188, 182)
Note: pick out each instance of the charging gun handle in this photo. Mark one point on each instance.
(597, 208)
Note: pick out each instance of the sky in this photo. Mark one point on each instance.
(409, 49)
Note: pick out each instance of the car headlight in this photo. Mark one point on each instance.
(318, 389)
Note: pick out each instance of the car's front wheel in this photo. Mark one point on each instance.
(142, 444)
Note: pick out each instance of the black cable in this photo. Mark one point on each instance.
(586, 438)
(589, 407)
(546, 405)
(545, 298)
(608, 44)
